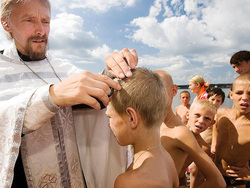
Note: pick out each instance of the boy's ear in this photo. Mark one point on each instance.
(132, 117)
(230, 94)
(175, 89)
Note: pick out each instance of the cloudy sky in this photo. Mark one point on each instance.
(183, 37)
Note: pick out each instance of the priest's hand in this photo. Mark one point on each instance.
(119, 63)
(83, 88)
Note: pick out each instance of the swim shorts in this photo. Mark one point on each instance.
(231, 181)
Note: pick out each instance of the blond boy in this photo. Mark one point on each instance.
(200, 117)
(233, 142)
(181, 110)
(135, 119)
(217, 97)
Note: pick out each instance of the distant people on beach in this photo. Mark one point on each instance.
(240, 62)
(136, 120)
(179, 141)
(181, 110)
(233, 142)
(198, 85)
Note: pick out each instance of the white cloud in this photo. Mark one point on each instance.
(155, 9)
(190, 6)
(97, 5)
(175, 35)
(100, 52)
(227, 21)
(67, 35)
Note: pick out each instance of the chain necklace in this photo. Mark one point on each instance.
(38, 75)
(150, 148)
(232, 146)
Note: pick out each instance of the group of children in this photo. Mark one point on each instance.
(213, 143)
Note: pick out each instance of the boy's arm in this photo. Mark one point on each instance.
(202, 160)
(219, 114)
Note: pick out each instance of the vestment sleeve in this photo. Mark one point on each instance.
(40, 109)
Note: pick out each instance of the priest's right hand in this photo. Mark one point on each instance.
(83, 88)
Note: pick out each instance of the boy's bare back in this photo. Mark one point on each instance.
(161, 175)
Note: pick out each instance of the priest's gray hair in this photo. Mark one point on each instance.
(7, 7)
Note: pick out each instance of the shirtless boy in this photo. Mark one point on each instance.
(178, 140)
(216, 96)
(181, 110)
(200, 117)
(136, 120)
(233, 141)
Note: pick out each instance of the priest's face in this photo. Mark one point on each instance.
(29, 25)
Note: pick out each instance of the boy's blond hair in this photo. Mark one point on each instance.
(204, 103)
(7, 7)
(145, 93)
(244, 78)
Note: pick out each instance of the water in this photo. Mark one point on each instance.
(176, 101)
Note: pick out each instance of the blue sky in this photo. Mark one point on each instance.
(183, 37)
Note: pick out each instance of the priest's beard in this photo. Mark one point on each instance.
(36, 55)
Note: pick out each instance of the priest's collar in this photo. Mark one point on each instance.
(25, 57)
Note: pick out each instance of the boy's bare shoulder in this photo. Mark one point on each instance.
(181, 136)
(178, 131)
(177, 107)
(126, 180)
(223, 112)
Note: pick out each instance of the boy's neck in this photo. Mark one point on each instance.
(236, 114)
(196, 134)
(187, 105)
(147, 138)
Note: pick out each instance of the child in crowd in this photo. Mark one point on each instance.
(217, 97)
(200, 117)
(135, 119)
(198, 85)
(233, 142)
(179, 141)
(240, 62)
(181, 110)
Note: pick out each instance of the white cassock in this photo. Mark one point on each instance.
(56, 143)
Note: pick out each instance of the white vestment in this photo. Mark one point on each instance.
(51, 134)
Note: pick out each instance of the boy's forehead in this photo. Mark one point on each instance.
(239, 85)
(216, 96)
(201, 109)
